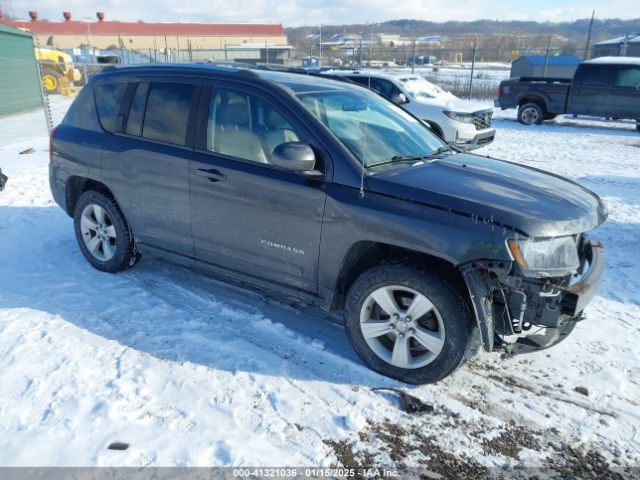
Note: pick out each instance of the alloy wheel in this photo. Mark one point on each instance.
(530, 115)
(98, 232)
(402, 326)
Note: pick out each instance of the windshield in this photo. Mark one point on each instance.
(419, 87)
(372, 128)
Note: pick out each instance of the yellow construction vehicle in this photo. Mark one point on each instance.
(58, 72)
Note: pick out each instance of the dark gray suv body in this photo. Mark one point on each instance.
(257, 177)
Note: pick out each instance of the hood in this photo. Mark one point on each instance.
(523, 198)
(453, 103)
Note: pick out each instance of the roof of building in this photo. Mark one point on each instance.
(107, 27)
(553, 59)
(631, 38)
(616, 60)
(13, 31)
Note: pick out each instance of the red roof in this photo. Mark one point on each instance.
(74, 27)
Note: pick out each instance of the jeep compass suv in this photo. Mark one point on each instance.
(324, 192)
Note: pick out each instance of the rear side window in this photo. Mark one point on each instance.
(595, 75)
(361, 80)
(108, 97)
(167, 112)
(136, 112)
(628, 77)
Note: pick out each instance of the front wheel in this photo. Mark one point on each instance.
(102, 233)
(530, 114)
(407, 324)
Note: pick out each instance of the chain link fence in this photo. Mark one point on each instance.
(467, 72)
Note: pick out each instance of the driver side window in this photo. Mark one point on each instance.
(244, 126)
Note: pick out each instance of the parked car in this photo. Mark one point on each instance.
(462, 124)
(323, 192)
(602, 87)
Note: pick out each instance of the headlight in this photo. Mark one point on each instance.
(459, 116)
(549, 255)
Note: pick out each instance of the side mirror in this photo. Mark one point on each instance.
(294, 156)
(399, 99)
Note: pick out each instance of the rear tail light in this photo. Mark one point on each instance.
(53, 132)
(498, 91)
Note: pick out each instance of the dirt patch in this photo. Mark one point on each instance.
(585, 465)
(511, 441)
(344, 453)
(450, 466)
(407, 449)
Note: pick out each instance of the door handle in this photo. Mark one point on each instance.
(212, 174)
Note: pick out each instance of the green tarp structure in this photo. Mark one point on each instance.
(19, 76)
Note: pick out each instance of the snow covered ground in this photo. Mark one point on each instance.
(192, 372)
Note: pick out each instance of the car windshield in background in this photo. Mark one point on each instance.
(373, 129)
(419, 87)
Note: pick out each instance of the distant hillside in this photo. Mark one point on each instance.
(575, 30)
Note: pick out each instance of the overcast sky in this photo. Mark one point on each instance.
(312, 12)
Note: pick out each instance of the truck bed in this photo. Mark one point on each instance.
(552, 91)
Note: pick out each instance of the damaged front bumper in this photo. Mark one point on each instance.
(508, 304)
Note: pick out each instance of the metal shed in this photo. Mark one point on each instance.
(20, 79)
(557, 66)
(627, 46)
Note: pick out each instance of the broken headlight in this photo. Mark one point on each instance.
(546, 256)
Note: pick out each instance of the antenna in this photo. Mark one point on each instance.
(366, 123)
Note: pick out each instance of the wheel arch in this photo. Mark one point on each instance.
(77, 185)
(436, 129)
(364, 255)
(533, 98)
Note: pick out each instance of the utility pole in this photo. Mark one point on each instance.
(320, 60)
(625, 46)
(586, 47)
(473, 65)
(546, 58)
(413, 56)
(87, 21)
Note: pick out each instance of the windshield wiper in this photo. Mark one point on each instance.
(413, 158)
(440, 151)
(399, 159)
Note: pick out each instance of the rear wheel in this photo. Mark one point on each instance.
(530, 114)
(102, 233)
(407, 324)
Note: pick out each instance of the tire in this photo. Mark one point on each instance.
(530, 114)
(104, 238)
(447, 324)
(638, 124)
(51, 81)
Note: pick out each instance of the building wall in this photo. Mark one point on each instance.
(19, 76)
(613, 50)
(522, 69)
(157, 42)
